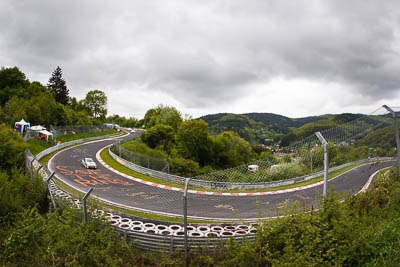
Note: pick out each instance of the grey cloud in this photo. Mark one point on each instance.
(203, 53)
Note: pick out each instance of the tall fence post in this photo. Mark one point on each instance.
(326, 161)
(84, 204)
(396, 133)
(167, 166)
(119, 148)
(185, 217)
(48, 191)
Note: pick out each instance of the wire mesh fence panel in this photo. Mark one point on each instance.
(301, 158)
(76, 129)
(145, 161)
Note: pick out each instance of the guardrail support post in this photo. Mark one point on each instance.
(32, 166)
(48, 191)
(326, 161)
(185, 217)
(84, 204)
(396, 132)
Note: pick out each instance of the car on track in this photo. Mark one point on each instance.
(89, 163)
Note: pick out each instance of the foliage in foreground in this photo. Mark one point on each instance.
(362, 231)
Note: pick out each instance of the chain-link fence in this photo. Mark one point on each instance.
(157, 164)
(56, 131)
(302, 158)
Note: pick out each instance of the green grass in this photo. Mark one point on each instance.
(71, 137)
(119, 167)
(36, 146)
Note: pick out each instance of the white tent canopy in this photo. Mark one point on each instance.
(23, 122)
(38, 128)
(21, 126)
(45, 133)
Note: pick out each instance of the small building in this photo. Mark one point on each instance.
(253, 168)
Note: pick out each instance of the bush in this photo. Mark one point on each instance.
(184, 167)
(12, 149)
(63, 240)
(19, 192)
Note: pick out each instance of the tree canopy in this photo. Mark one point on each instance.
(58, 86)
(163, 115)
(96, 103)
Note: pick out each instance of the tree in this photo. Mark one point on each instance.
(194, 142)
(161, 136)
(58, 86)
(231, 150)
(96, 103)
(12, 149)
(12, 83)
(163, 115)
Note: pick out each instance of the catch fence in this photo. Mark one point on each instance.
(302, 159)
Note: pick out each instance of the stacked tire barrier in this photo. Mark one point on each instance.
(164, 237)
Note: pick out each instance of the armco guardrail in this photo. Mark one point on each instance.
(71, 143)
(169, 243)
(227, 185)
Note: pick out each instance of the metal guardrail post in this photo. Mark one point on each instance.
(41, 166)
(396, 132)
(84, 204)
(185, 217)
(326, 161)
(32, 166)
(48, 191)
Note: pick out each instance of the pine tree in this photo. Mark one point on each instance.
(59, 87)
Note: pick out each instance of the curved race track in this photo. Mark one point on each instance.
(115, 188)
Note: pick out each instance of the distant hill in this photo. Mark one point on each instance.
(268, 128)
(256, 127)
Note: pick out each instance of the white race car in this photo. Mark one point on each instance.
(88, 163)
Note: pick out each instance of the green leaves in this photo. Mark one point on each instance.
(96, 103)
(58, 87)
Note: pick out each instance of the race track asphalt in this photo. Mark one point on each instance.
(115, 188)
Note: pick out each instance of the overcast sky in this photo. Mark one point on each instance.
(295, 58)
